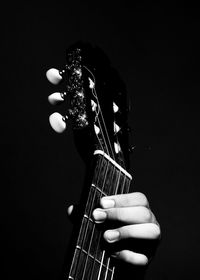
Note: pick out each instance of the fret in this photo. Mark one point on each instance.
(99, 190)
(119, 167)
(86, 263)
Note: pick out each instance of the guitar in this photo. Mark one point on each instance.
(98, 112)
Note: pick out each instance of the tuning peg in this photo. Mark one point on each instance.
(56, 97)
(116, 127)
(58, 122)
(115, 107)
(131, 149)
(117, 148)
(54, 75)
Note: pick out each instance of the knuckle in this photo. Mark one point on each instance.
(147, 215)
(143, 199)
(156, 232)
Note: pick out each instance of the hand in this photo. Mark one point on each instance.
(137, 223)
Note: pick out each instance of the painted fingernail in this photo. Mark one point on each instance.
(111, 235)
(99, 215)
(107, 203)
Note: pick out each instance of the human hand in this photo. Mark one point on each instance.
(136, 223)
(137, 226)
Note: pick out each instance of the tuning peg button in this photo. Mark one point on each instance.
(56, 97)
(116, 127)
(115, 107)
(58, 122)
(54, 76)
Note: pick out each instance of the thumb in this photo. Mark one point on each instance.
(74, 213)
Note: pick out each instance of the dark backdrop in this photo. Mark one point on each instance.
(155, 47)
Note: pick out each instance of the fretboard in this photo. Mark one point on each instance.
(91, 261)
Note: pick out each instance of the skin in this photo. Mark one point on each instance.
(135, 219)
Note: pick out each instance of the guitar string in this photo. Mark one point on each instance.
(115, 192)
(107, 150)
(96, 96)
(103, 137)
(99, 123)
(96, 252)
(84, 232)
(93, 227)
(100, 235)
(82, 224)
(91, 207)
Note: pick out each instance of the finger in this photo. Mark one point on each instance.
(140, 231)
(74, 213)
(131, 257)
(127, 215)
(124, 200)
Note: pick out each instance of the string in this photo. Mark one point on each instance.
(100, 111)
(93, 228)
(99, 239)
(100, 233)
(107, 150)
(81, 229)
(118, 180)
(99, 123)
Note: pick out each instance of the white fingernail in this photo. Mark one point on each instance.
(107, 203)
(99, 215)
(111, 235)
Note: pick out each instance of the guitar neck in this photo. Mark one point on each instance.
(91, 260)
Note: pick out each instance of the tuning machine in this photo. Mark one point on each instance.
(57, 98)
(54, 75)
(58, 122)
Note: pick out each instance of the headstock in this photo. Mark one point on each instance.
(97, 102)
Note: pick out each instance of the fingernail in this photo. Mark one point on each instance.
(111, 235)
(115, 255)
(99, 215)
(107, 203)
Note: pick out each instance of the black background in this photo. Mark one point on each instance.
(155, 47)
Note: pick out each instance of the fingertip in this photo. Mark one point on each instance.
(107, 202)
(131, 257)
